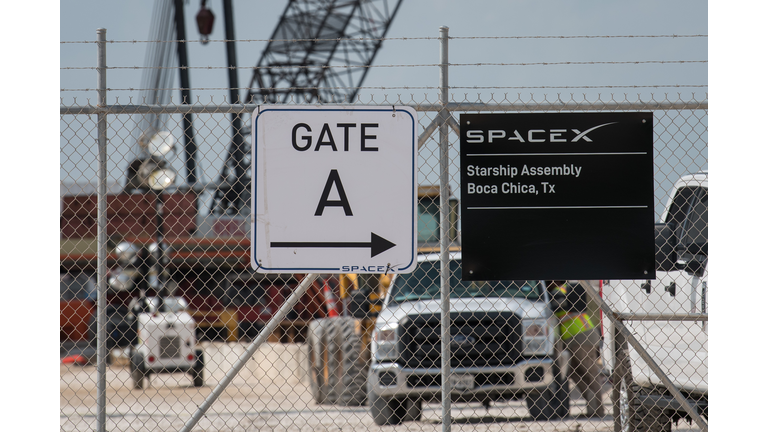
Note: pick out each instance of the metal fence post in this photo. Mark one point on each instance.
(101, 235)
(445, 270)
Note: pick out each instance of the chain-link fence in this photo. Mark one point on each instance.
(165, 325)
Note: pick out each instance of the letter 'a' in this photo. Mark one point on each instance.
(333, 179)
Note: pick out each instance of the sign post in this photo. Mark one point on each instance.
(334, 189)
(557, 196)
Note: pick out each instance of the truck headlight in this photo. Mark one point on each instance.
(385, 343)
(537, 337)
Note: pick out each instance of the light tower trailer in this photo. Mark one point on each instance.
(166, 341)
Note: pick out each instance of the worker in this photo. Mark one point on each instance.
(581, 337)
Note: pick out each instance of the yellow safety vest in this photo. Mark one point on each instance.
(573, 323)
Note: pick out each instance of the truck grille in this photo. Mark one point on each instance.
(481, 380)
(478, 339)
(170, 347)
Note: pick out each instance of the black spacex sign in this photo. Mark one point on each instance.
(557, 196)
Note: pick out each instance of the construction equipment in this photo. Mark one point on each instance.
(166, 340)
(319, 52)
(339, 347)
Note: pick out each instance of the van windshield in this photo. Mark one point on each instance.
(424, 284)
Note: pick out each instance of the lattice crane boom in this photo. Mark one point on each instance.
(319, 52)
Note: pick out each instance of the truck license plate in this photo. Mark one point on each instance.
(462, 382)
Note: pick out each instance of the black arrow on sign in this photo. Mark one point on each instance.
(377, 245)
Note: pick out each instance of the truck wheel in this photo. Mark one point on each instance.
(656, 421)
(387, 411)
(630, 415)
(413, 411)
(317, 357)
(643, 419)
(624, 406)
(551, 404)
(138, 373)
(353, 370)
(562, 399)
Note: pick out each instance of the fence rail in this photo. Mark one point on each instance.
(451, 106)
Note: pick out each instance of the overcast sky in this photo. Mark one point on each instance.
(483, 31)
(256, 20)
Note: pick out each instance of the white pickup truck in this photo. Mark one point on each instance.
(679, 347)
(503, 345)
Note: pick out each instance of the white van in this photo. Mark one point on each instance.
(679, 347)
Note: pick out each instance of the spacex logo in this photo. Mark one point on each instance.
(532, 135)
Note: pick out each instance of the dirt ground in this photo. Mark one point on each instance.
(269, 394)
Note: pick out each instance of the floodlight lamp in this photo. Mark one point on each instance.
(126, 253)
(121, 282)
(161, 144)
(154, 249)
(161, 179)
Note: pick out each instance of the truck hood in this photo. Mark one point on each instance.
(392, 314)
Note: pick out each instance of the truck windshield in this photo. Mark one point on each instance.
(424, 284)
(689, 211)
(695, 230)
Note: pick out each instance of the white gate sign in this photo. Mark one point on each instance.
(334, 189)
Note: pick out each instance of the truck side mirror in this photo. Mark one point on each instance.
(666, 257)
(694, 267)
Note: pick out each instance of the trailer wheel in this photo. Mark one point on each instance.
(138, 374)
(353, 370)
(198, 380)
(197, 377)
